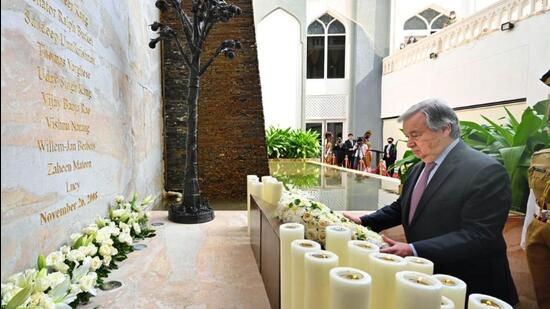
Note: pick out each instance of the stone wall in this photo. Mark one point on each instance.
(231, 122)
(81, 118)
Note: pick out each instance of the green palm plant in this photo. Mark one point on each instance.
(292, 143)
(512, 144)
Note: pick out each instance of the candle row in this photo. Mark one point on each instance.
(269, 190)
(311, 278)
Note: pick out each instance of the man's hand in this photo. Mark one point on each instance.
(352, 218)
(398, 248)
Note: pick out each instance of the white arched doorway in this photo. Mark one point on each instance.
(280, 64)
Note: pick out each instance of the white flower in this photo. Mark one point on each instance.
(119, 199)
(125, 228)
(125, 237)
(117, 213)
(115, 231)
(54, 258)
(148, 200)
(90, 229)
(107, 250)
(95, 263)
(9, 294)
(61, 267)
(41, 300)
(75, 237)
(65, 249)
(106, 260)
(88, 282)
(76, 255)
(103, 234)
(56, 278)
(137, 228)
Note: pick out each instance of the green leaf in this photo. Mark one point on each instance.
(19, 298)
(513, 121)
(80, 241)
(530, 123)
(41, 262)
(505, 136)
(511, 157)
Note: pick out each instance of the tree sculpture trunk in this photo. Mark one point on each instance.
(206, 13)
(191, 191)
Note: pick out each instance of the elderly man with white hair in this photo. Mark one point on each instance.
(453, 205)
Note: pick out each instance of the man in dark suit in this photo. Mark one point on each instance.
(349, 148)
(390, 155)
(453, 205)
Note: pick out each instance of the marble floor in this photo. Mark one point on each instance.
(198, 266)
(211, 265)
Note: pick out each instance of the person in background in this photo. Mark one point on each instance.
(338, 151)
(537, 219)
(451, 215)
(367, 155)
(350, 146)
(359, 154)
(390, 155)
(327, 153)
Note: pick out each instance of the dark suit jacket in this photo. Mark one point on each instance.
(459, 220)
(348, 146)
(392, 153)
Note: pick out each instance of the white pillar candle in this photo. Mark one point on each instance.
(358, 254)
(266, 193)
(349, 288)
(420, 265)
(297, 250)
(273, 190)
(447, 303)
(383, 268)
(481, 301)
(413, 288)
(454, 289)
(316, 278)
(249, 180)
(337, 238)
(256, 189)
(288, 232)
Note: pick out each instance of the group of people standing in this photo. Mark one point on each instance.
(355, 153)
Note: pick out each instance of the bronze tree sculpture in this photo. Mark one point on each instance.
(205, 14)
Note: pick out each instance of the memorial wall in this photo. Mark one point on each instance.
(81, 118)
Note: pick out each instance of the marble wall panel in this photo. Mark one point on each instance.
(81, 118)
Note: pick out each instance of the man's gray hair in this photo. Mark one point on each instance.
(438, 115)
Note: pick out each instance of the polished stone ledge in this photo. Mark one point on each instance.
(207, 265)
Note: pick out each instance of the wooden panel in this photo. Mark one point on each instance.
(270, 262)
(255, 230)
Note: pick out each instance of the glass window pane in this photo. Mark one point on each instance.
(326, 19)
(316, 57)
(429, 14)
(415, 23)
(441, 22)
(335, 128)
(316, 127)
(336, 56)
(336, 27)
(316, 28)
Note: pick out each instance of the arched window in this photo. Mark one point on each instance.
(425, 23)
(326, 48)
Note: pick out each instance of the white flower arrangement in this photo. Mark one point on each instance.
(69, 276)
(295, 206)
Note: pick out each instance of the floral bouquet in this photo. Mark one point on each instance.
(68, 277)
(295, 206)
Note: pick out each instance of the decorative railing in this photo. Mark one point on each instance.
(464, 31)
